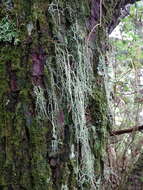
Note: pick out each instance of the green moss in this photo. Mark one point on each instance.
(98, 130)
(18, 147)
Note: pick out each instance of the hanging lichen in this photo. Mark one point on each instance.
(69, 84)
(74, 83)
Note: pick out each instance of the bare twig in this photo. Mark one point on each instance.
(130, 130)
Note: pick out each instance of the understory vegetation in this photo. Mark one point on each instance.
(125, 59)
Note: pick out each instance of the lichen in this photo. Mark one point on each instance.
(8, 32)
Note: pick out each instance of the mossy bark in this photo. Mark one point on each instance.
(26, 158)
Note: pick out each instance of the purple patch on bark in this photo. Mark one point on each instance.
(95, 14)
(12, 77)
(38, 60)
(38, 65)
(13, 85)
(61, 118)
(95, 9)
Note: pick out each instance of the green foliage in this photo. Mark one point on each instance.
(127, 81)
(8, 31)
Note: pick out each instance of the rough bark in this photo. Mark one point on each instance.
(28, 63)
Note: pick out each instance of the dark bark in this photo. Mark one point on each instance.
(119, 7)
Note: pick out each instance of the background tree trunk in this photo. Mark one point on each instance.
(53, 111)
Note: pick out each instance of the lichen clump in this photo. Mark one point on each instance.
(8, 32)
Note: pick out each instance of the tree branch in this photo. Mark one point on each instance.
(130, 130)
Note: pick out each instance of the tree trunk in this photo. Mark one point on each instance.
(53, 111)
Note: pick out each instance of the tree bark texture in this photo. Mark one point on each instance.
(52, 133)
